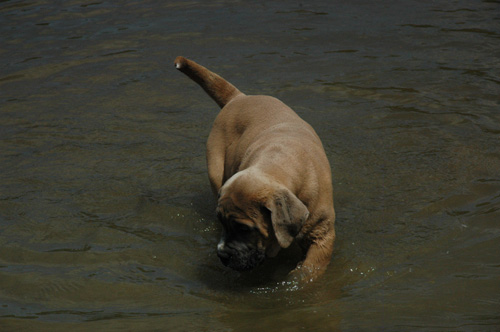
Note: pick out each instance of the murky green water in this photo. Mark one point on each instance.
(106, 215)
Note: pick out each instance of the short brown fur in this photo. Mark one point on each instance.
(269, 170)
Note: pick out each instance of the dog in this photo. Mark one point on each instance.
(272, 179)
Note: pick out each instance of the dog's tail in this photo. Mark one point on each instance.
(218, 88)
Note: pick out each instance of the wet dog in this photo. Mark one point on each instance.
(271, 177)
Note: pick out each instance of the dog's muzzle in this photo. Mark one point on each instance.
(239, 256)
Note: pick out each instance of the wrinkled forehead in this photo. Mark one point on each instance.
(232, 197)
(234, 206)
(230, 213)
(228, 208)
(241, 196)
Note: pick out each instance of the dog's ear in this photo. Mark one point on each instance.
(288, 215)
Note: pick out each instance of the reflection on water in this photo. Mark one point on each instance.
(106, 216)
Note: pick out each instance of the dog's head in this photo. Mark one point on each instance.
(258, 218)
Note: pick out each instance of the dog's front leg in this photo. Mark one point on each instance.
(317, 258)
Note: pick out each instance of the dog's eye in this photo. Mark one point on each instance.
(242, 228)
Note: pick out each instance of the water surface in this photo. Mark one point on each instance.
(106, 215)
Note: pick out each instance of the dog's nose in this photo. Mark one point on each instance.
(223, 256)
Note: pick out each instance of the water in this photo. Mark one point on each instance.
(106, 215)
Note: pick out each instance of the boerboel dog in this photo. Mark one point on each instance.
(271, 177)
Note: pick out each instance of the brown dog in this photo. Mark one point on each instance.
(272, 177)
